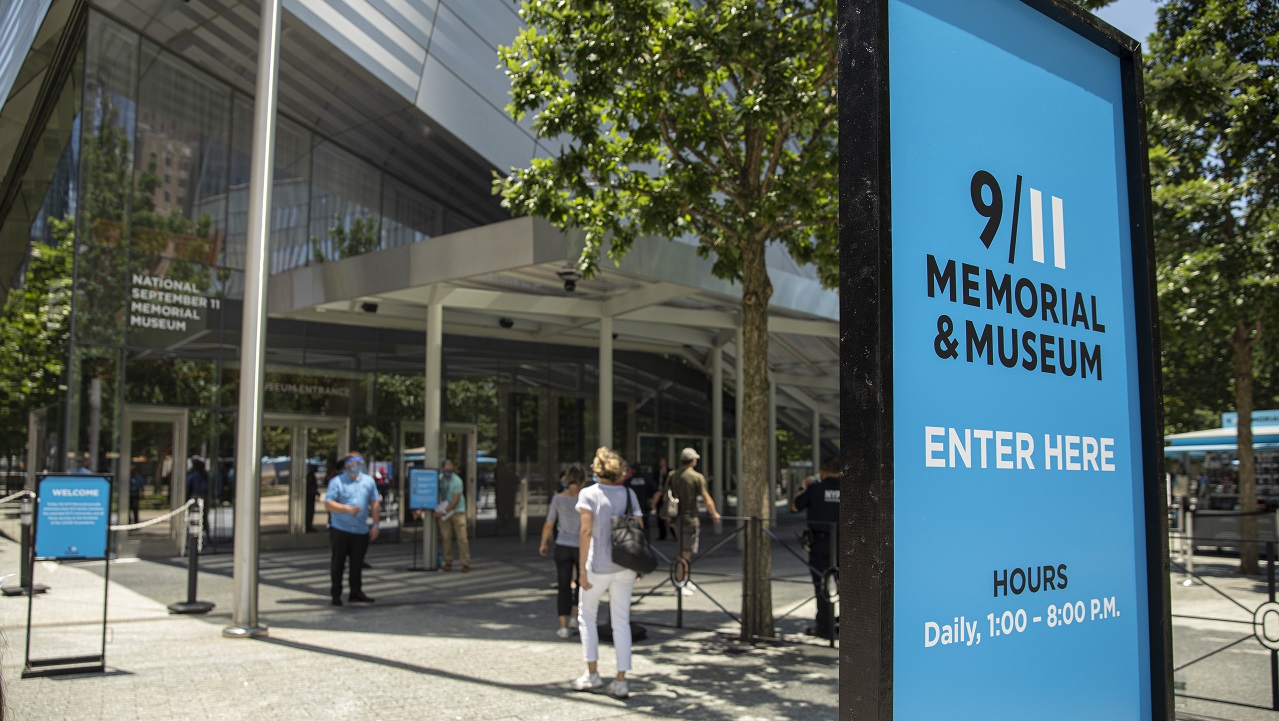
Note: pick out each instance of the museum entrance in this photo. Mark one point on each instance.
(299, 454)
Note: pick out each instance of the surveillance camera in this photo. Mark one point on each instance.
(570, 276)
(505, 322)
(368, 307)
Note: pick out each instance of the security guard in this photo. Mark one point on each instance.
(821, 500)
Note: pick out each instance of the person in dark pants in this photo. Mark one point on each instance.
(136, 483)
(821, 501)
(661, 475)
(565, 523)
(647, 490)
(198, 487)
(352, 503)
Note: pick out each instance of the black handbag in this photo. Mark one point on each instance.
(630, 547)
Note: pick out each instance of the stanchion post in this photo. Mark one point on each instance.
(1274, 655)
(1190, 548)
(195, 526)
(25, 587)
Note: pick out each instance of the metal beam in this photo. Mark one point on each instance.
(643, 297)
(795, 326)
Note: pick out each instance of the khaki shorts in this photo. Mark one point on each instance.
(689, 529)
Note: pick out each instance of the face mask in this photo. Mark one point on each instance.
(563, 485)
(595, 477)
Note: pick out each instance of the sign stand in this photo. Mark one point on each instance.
(1000, 366)
(424, 495)
(72, 512)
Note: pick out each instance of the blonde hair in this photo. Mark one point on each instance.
(608, 464)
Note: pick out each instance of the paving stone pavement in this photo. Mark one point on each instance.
(439, 645)
(481, 645)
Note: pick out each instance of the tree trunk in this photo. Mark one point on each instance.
(754, 486)
(1241, 343)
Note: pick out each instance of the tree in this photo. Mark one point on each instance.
(714, 121)
(1213, 85)
(34, 331)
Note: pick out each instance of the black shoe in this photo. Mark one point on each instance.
(360, 598)
(337, 600)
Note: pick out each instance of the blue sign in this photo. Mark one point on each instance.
(424, 488)
(1020, 562)
(71, 517)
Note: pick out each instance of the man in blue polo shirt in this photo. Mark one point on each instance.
(352, 503)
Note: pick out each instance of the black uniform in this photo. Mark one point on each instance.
(644, 490)
(821, 500)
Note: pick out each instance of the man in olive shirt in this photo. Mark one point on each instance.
(687, 485)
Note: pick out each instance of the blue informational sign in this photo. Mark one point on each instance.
(424, 488)
(71, 517)
(1019, 540)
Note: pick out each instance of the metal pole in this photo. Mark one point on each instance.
(248, 456)
(717, 432)
(740, 380)
(25, 586)
(1190, 548)
(195, 527)
(1274, 655)
(817, 446)
(431, 440)
(772, 450)
(606, 382)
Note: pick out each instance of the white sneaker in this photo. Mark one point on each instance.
(688, 589)
(562, 633)
(587, 681)
(618, 688)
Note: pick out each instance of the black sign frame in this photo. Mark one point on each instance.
(866, 356)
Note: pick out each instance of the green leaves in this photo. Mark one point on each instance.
(715, 120)
(1214, 128)
(34, 331)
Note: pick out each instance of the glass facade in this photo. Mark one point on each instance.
(145, 165)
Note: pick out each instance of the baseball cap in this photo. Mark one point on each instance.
(688, 454)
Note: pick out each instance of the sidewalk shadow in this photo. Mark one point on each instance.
(690, 683)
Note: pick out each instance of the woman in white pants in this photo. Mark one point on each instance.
(597, 573)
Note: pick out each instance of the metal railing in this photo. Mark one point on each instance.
(1262, 624)
(680, 574)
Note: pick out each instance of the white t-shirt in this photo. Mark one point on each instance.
(605, 502)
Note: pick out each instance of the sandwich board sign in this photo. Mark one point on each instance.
(1006, 540)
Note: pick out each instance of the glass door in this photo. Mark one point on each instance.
(458, 443)
(299, 456)
(275, 478)
(155, 466)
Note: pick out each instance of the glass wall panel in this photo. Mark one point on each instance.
(38, 238)
(172, 303)
(180, 178)
(407, 215)
(101, 291)
(290, 196)
(293, 390)
(95, 408)
(166, 380)
(111, 63)
(345, 206)
(403, 396)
